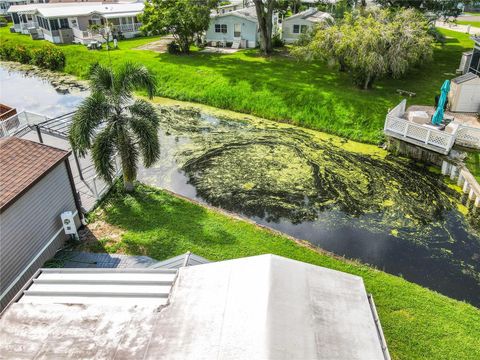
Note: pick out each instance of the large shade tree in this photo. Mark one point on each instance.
(264, 10)
(184, 19)
(110, 121)
(372, 44)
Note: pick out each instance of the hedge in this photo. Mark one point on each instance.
(46, 56)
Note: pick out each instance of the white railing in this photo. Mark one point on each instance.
(20, 121)
(79, 33)
(400, 128)
(404, 129)
(100, 187)
(29, 24)
(468, 136)
(128, 27)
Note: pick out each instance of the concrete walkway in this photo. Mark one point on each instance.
(466, 29)
(80, 259)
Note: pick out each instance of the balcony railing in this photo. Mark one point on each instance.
(127, 27)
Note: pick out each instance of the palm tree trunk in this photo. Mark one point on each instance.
(128, 184)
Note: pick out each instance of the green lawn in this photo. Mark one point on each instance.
(418, 323)
(472, 23)
(279, 88)
(473, 164)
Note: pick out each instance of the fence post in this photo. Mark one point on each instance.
(39, 133)
(79, 168)
(95, 191)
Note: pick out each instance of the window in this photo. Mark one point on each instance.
(54, 24)
(303, 29)
(296, 29)
(64, 24)
(221, 28)
(16, 19)
(475, 62)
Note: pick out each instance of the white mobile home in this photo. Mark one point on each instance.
(239, 28)
(70, 22)
(294, 26)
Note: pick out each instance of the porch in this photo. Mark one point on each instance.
(414, 126)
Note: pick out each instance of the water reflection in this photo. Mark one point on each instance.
(25, 92)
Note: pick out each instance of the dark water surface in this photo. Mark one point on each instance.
(352, 199)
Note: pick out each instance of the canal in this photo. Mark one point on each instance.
(352, 199)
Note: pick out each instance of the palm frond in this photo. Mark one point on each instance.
(103, 149)
(101, 79)
(128, 153)
(143, 109)
(93, 110)
(147, 136)
(132, 77)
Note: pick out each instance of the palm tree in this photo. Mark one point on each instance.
(111, 121)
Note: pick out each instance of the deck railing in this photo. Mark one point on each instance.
(19, 122)
(468, 136)
(127, 27)
(440, 141)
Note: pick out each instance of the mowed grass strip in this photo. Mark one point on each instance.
(280, 88)
(418, 323)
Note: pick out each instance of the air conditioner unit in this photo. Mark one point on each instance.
(68, 222)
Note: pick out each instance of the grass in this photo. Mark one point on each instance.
(279, 88)
(418, 323)
(472, 23)
(473, 164)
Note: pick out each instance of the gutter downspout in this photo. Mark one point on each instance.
(76, 198)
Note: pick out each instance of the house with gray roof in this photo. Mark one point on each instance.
(296, 25)
(256, 308)
(238, 29)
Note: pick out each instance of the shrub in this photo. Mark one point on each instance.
(48, 57)
(277, 41)
(45, 56)
(173, 48)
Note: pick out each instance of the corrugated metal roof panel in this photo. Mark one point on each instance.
(84, 286)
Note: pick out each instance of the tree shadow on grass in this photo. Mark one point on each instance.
(159, 225)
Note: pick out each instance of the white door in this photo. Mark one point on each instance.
(237, 31)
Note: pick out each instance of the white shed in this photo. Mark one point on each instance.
(464, 93)
(300, 23)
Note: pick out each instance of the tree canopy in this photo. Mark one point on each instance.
(111, 122)
(441, 8)
(372, 44)
(182, 18)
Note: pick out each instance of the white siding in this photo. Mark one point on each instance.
(248, 30)
(29, 224)
(287, 29)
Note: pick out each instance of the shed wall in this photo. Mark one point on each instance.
(28, 226)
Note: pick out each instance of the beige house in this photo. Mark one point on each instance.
(63, 23)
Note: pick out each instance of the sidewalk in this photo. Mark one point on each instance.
(466, 29)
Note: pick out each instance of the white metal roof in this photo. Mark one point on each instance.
(257, 308)
(95, 286)
(312, 15)
(58, 10)
(249, 13)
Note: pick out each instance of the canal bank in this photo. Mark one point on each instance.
(353, 199)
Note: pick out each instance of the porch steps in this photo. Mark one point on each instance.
(236, 44)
